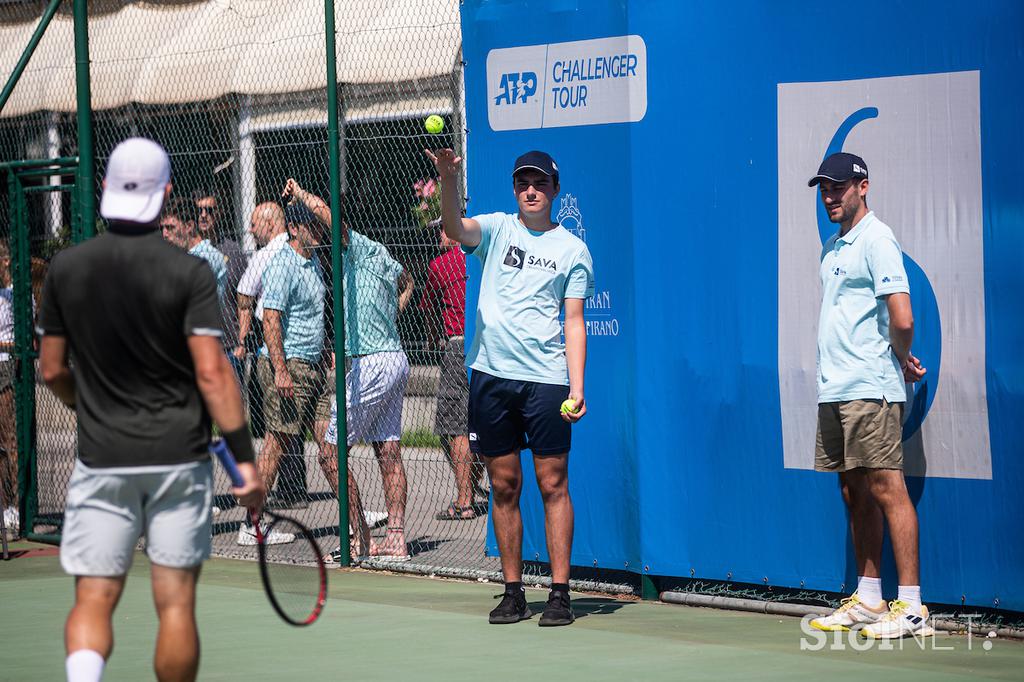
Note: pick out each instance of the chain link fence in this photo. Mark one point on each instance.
(235, 90)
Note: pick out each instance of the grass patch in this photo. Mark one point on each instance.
(420, 438)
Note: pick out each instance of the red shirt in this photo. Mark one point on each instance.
(446, 287)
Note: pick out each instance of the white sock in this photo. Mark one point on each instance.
(84, 665)
(912, 595)
(869, 590)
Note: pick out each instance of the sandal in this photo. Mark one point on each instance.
(456, 513)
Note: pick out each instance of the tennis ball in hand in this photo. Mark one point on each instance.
(434, 124)
(569, 406)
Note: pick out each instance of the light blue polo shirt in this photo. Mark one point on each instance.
(526, 278)
(858, 270)
(218, 263)
(371, 297)
(295, 286)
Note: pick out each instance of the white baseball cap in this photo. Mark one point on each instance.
(138, 172)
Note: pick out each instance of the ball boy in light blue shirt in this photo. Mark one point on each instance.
(533, 269)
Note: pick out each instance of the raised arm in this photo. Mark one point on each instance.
(465, 231)
(320, 208)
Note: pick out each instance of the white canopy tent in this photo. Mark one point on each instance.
(153, 53)
(393, 57)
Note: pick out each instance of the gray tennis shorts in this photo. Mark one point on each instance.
(453, 390)
(109, 509)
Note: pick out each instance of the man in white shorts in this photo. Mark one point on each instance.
(377, 289)
(140, 322)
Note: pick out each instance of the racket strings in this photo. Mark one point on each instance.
(292, 570)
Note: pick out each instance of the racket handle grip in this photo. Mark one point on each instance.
(227, 460)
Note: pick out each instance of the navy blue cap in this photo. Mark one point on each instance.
(840, 167)
(536, 160)
(297, 213)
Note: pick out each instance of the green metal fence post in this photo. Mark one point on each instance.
(27, 53)
(25, 380)
(334, 152)
(86, 178)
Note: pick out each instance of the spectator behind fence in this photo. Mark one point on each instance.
(290, 366)
(8, 440)
(209, 209)
(444, 305)
(267, 228)
(179, 228)
(377, 288)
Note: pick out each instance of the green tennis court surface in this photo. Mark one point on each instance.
(385, 627)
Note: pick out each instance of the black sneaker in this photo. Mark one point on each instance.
(512, 608)
(286, 502)
(558, 611)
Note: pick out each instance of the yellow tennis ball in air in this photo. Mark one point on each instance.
(434, 124)
(569, 406)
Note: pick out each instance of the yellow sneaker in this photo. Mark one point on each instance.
(900, 622)
(852, 611)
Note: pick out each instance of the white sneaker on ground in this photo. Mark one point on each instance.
(900, 622)
(247, 536)
(852, 611)
(12, 520)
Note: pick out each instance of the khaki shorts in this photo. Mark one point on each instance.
(288, 416)
(859, 434)
(108, 510)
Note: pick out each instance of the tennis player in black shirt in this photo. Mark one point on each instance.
(131, 339)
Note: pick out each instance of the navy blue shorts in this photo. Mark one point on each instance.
(507, 415)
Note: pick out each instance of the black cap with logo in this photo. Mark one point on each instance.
(840, 167)
(535, 160)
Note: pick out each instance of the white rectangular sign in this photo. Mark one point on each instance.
(584, 82)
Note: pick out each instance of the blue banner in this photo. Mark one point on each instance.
(685, 135)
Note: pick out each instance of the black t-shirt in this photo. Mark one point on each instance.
(126, 305)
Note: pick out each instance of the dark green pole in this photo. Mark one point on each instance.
(86, 158)
(26, 54)
(25, 380)
(334, 153)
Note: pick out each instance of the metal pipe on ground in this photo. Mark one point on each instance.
(801, 610)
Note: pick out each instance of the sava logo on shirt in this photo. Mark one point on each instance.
(515, 257)
(518, 258)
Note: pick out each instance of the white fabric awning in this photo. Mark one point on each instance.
(156, 53)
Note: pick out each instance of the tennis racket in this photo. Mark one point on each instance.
(291, 563)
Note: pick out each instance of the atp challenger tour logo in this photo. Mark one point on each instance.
(585, 82)
(516, 88)
(920, 136)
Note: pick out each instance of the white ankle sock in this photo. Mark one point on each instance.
(869, 590)
(84, 665)
(912, 595)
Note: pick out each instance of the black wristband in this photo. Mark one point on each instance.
(240, 444)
